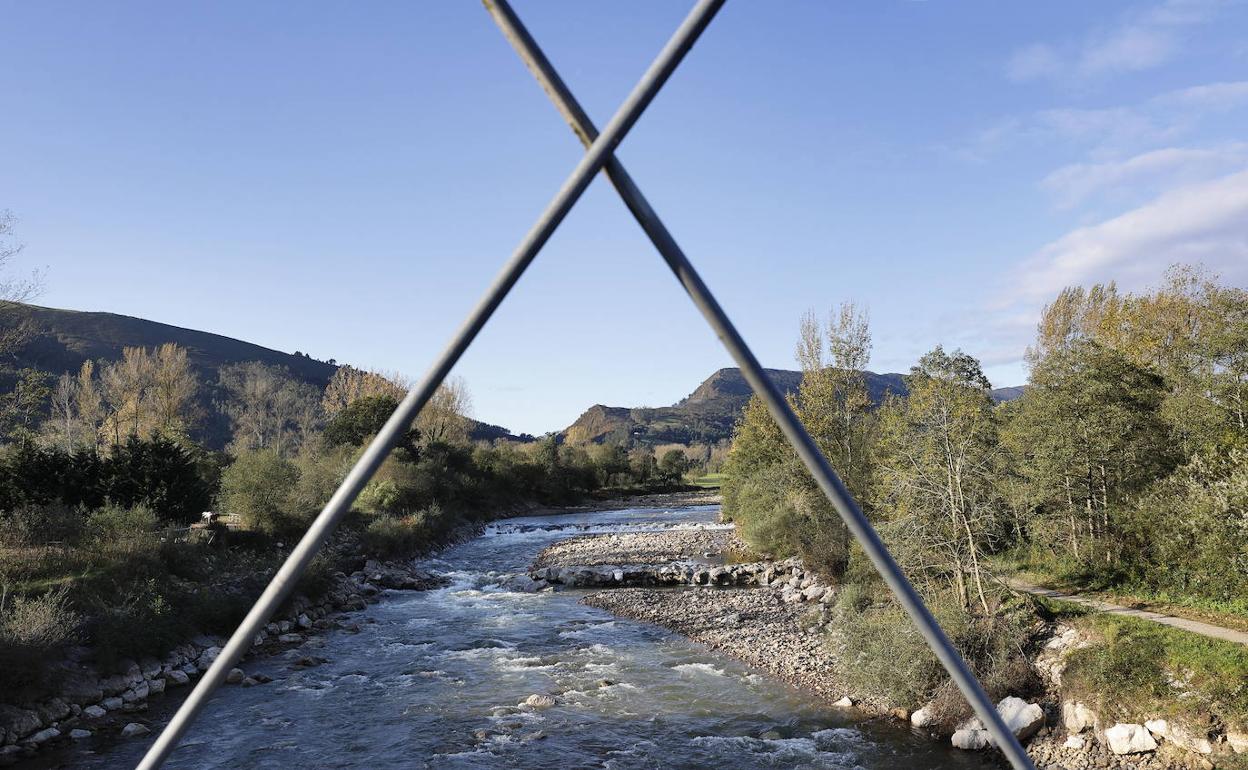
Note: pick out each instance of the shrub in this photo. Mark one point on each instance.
(396, 536)
(116, 524)
(885, 659)
(34, 632)
(259, 487)
(34, 525)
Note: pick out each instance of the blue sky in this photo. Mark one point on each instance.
(344, 179)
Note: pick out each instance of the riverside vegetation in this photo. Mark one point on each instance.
(1123, 467)
(102, 475)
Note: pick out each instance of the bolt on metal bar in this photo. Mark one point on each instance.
(829, 482)
(301, 556)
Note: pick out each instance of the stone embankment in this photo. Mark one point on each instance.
(90, 702)
(781, 627)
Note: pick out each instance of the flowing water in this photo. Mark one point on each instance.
(434, 678)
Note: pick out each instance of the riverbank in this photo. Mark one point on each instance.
(780, 624)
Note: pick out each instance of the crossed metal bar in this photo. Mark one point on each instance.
(599, 156)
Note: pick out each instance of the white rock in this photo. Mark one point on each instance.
(971, 739)
(78, 733)
(539, 701)
(94, 712)
(1075, 742)
(1189, 738)
(304, 622)
(845, 703)
(921, 717)
(134, 729)
(113, 703)
(45, 735)
(1077, 717)
(235, 676)
(813, 593)
(1158, 727)
(207, 657)
(1024, 719)
(1238, 742)
(177, 678)
(1129, 739)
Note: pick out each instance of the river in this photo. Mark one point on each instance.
(433, 680)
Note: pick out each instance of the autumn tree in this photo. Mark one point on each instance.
(268, 407)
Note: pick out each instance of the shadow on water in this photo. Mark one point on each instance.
(436, 679)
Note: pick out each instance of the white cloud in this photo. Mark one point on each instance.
(1148, 172)
(1204, 222)
(1212, 97)
(1139, 41)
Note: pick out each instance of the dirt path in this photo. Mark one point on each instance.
(1194, 626)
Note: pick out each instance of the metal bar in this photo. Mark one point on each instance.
(809, 452)
(324, 524)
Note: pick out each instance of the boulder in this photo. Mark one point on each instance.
(177, 678)
(1182, 735)
(94, 712)
(236, 676)
(539, 701)
(207, 657)
(134, 730)
(113, 703)
(1075, 742)
(45, 735)
(19, 722)
(922, 718)
(53, 710)
(971, 738)
(304, 622)
(845, 703)
(155, 686)
(1024, 719)
(1129, 739)
(813, 593)
(78, 733)
(1077, 717)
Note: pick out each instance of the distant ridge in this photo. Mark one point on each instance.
(64, 339)
(709, 413)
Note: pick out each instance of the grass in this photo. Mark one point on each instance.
(1137, 670)
(709, 481)
(1075, 578)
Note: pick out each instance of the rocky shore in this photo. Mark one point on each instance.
(773, 616)
(90, 702)
(682, 545)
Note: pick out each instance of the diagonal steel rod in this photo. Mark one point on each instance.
(809, 452)
(324, 524)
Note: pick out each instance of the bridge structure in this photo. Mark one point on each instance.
(599, 157)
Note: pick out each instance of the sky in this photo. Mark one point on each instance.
(345, 179)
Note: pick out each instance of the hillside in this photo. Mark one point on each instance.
(63, 339)
(710, 411)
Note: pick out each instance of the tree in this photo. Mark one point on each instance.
(936, 473)
(14, 328)
(23, 407)
(267, 406)
(350, 384)
(673, 465)
(445, 418)
(173, 390)
(1087, 436)
(259, 486)
(360, 420)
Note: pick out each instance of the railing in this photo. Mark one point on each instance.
(599, 156)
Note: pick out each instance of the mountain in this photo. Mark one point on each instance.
(709, 413)
(62, 340)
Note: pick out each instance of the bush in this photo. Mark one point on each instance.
(398, 536)
(259, 487)
(885, 659)
(35, 525)
(34, 632)
(115, 524)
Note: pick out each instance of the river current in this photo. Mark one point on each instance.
(434, 678)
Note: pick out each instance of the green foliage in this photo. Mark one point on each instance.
(361, 419)
(885, 659)
(673, 465)
(114, 523)
(259, 487)
(406, 535)
(1137, 668)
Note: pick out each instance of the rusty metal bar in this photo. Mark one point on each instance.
(809, 452)
(301, 556)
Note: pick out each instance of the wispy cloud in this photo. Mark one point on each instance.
(1203, 222)
(1138, 41)
(1150, 172)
